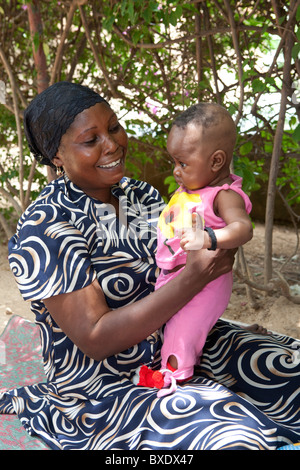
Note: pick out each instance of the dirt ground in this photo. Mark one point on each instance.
(274, 311)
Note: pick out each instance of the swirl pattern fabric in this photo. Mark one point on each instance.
(64, 241)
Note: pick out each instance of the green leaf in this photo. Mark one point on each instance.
(131, 13)
(296, 51)
(258, 86)
(108, 23)
(123, 7)
(246, 148)
(298, 14)
(46, 49)
(178, 11)
(296, 134)
(136, 36)
(148, 12)
(171, 183)
(173, 18)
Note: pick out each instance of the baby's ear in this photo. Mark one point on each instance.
(218, 160)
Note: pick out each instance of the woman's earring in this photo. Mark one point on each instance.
(59, 170)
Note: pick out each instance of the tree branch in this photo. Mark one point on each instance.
(99, 60)
(17, 118)
(30, 182)
(60, 49)
(188, 37)
(271, 286)
(79, 51)
(36, 28)
(5, 227)
(199, 52)
(276, 153)
(279, 48)
(36, 31)
(11, 200)
(211, 53)
(238, 58)
(12, 190)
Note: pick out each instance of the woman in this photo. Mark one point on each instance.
(84, 255)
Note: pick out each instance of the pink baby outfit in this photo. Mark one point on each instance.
(186, 332)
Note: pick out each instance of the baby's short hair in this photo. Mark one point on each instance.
(202, 114)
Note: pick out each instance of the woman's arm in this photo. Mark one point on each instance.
(99, 332)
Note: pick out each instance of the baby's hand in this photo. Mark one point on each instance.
(193, 238)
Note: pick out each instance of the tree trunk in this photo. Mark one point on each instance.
(270, 204)
(36, 32)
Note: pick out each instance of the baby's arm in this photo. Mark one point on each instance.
(230, 207)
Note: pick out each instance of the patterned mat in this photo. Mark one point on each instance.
(20, 364)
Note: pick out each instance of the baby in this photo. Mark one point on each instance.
(209, 211)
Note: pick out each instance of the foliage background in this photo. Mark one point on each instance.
(151, 59)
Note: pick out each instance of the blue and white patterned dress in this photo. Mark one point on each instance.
(64, 241)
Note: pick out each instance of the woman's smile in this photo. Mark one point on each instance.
(113, 164)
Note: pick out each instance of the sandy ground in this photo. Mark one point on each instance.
(274, 311)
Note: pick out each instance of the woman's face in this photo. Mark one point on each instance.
(93, 151)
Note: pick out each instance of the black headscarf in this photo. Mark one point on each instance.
(50, 114)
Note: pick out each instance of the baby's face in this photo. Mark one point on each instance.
(190, 156)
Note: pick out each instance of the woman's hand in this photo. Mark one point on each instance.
(210, 264)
